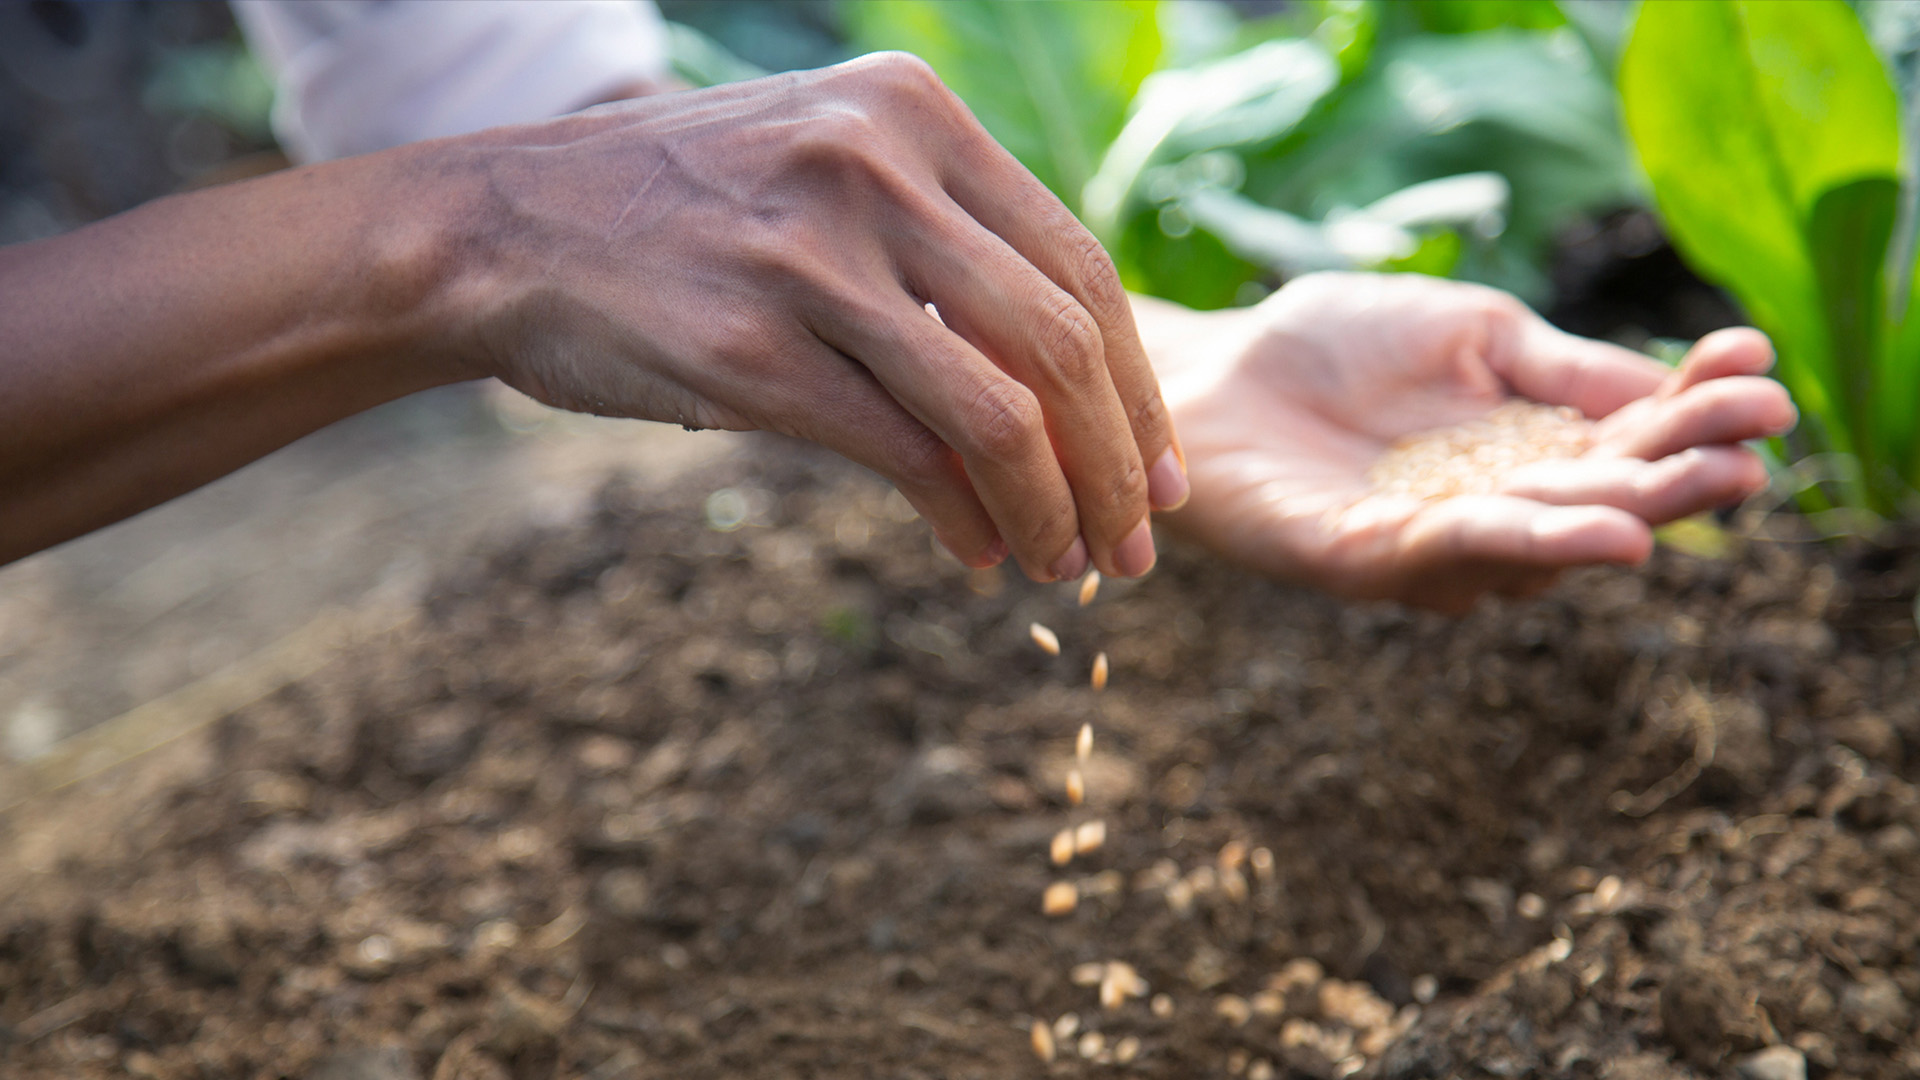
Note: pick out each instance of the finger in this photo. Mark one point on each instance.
(1039, 334)
(1739, 350)
(844, 408)
(1000, 194)
(1676, 486)
(993, 421)
(1725, 410)
(1471, 530)
(1547, 364)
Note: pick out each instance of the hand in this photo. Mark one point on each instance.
(1284, 408)
(762, 255)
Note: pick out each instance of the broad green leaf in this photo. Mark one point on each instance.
(1473, 16)
(1050, 79)
(1847, 235)
(699, 60)
(1693, 104)
(1825, 96)
(1245, 100)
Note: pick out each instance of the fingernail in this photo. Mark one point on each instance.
(1135, 556)
(1073, 563)
(1167, 486)
(995, 554)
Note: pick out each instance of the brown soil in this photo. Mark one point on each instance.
(644, 798)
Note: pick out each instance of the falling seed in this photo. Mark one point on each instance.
(1066, 1025)
(1161, 1006)
(1091, 1044)
(1089, 837)
(1233, 1009)
(1048, 641)
(1083, 744)
(1076, 787)
(1099, 672)
(1262, 862)
(1232, 855)
(1088, 586)
(1126, 1049)
(1042, 1037)
(1088, 974)
(1060, 898)
(1062, 851)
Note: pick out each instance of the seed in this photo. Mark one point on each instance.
(1088, 974)
(1088, 838)
(1126, 1049)
(1425, 989)
(1530, 906)
(1123, 973)
(1262, 862)
(1060, 898)
(1048, 641)
(1062, 851)
(1066, 1025)
(1233, 1009)
(1076, 787)
(1091, 1044)
(1111, 995)
(1161, 1006)
(1088, 586)
(1083, 744)
(1042, 1037)
(1099, 672)
(1607, 893)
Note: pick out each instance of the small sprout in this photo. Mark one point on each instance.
(1088, 974)
(1060, 898)
(1062, 849)
(1066, 1025)
(1127, 1049)
(1161, 1006)
(1425, 989)
(1530, 906)
(1048, 641)
(1083, 743)
(1076, 787)
(1042, 1038)
(1091, 1044)
(1233, 855)
(1099, 672)
(1089, 585)
(1262, 862)
(1233, 1009)
(1089, 837)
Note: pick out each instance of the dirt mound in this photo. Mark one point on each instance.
(745, 779)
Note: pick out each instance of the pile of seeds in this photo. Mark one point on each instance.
(1470, 458)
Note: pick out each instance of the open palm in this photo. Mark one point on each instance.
(1284, 408)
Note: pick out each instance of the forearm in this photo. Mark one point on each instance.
(152, 352)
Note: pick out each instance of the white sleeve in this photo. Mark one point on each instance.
(354, 76)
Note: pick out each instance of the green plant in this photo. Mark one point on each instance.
(1772, 137)
(1215, 157)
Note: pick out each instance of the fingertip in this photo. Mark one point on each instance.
(1571, 535)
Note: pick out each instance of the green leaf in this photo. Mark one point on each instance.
(1847, 235)
(1050, 79)
(701, 61)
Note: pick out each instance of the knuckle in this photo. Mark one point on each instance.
(921, 461)
(1051, 526)
(1149, 417)
(1126, 492)
(1003, 420)
(1099, 280)
(1070, 340)
(900, 71)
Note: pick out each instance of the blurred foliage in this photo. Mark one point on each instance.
(1772, 136)
(218, 79)
(1448, 136)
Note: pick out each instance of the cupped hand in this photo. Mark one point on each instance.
(762, 256)
(1284, 409)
